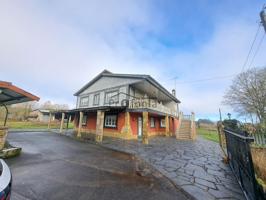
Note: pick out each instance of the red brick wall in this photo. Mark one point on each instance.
(134, 122)
(91, 121)
(157, 128)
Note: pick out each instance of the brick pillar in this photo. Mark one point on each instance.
(62, 123)
(99, 126)
(145, 128)
(80, 124)
(166, 125)
(126, 130)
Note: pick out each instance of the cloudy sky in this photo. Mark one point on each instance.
(52, 48)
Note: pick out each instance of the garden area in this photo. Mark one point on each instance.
(23, 125)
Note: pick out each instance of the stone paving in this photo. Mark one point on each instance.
(194, 166)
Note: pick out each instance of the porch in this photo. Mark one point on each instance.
(119, 123)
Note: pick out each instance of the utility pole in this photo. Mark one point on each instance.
(263, 17)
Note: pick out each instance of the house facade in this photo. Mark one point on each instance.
(126, 106)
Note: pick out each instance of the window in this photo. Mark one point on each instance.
(96, 99)
(110, 121)
(84, 101)
(152, 121)
(162, 124)
(84, 120)
(111, 97)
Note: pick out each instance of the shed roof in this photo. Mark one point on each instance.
(11, 94)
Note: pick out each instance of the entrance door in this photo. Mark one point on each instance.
(139, 127)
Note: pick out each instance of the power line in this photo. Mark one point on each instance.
(257, 50)
(251, 47)
(207, 79)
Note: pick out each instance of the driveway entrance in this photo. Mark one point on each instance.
(53, 166)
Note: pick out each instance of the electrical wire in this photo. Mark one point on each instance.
(251, 47)
(207, 79)
(257, 50)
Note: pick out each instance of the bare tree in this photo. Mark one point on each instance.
(247, 94)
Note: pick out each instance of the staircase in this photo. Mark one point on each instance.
(185, 130)
(187, 127)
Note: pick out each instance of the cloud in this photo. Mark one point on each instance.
(54, 48)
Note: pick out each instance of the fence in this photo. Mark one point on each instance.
(240, 160)
(260, 138)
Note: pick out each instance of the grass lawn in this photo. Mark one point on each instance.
(208, 134)
(32, 125)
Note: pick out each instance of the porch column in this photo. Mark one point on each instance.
(167, 125)
(193, 126)
(62, 123)
(180, 118)
(80, 124)
(126, 130)
(49, 122)
(68, 120)
(145, 127)
(99, 126)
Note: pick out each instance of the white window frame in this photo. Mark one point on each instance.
(110, 121)
(162, 123)
(96, 99)
(84, 120)
(152, 122)
(111, 95)
(82, 102)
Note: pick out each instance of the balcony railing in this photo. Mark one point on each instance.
(150, 104)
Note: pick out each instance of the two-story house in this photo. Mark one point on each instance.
(127, 106)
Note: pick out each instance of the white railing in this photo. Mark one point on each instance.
(150, 104)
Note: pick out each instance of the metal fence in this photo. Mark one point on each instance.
(240, 160)
(260, 138)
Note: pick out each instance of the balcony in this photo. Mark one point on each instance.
(151, 104)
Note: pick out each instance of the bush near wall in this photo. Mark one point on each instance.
(259, 161)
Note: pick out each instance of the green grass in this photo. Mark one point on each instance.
(208, 134)
(32, 125)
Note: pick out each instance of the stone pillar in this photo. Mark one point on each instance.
(145, 126)
(167, 125)
(62, 123)
(80, 124)
(99, 126)
(180, 118)
(49, 122)
(126, 130)
(3, 135)
(193, 126)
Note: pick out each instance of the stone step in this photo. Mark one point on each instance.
(182, 135)
(186, 128)
(184, 138)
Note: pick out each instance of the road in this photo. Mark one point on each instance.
(52, 166)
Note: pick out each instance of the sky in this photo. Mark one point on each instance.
(53, 48)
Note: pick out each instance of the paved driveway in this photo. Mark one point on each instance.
(57, 167)
(194, 166)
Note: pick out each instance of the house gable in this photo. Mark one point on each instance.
(105, 82)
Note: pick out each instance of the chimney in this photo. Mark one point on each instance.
(173, 92)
